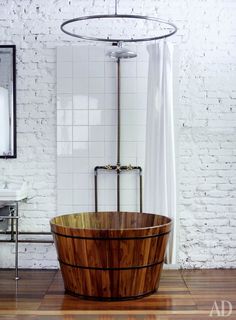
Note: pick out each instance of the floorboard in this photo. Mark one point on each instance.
(183, 294)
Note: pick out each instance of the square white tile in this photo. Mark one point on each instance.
(107, 197)
(127, 208)
(128, 69)
(91, 198)
(110, 133)
(64, 101)
(64, 209)
(128, 85)
(95, 161)
(110, 101)
(80, 117)
(80, 165)
(96, 53)
(96, 85)
(80, 181)
(140, 149)
(80, 149)
(96, 133)
(96, 149)
(129, 196)
(80, 101)
(64, 69)
(64, 148)
(133, 117)
(110, 69)
(64, 197)
(64, 53)
(80, 86)
(64, 181)
(110, 117)
(130, 161)
(84, 208)
(80, 69)
(110, 85)
(80, 53)
(64, 165)
(141, 100)
(129, 180)
(96, 101)
(128, 100)
(96, 117)
(110, 151)
(80, 133)
(64, 85)
(64, 117)
(96, 69)
(133, 133)
(64, 133)
(128, 149)
(110, 159)
(109, 181)
(80, 197)
(142, 85)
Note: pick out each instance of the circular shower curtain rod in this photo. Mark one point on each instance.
(121, 16)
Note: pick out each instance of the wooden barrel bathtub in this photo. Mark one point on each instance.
(111, 255)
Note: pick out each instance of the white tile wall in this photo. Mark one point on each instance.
(86, 126)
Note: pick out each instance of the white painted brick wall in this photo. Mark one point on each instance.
(206, 119)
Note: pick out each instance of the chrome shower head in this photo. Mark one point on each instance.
(121, 53)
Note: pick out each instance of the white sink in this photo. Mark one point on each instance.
(13, 191)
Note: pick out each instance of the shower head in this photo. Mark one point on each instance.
(121, 53)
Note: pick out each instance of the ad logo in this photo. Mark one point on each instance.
(221, 309)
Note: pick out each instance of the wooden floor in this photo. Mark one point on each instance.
(183, 294)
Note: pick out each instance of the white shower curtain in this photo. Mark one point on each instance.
(160, 180)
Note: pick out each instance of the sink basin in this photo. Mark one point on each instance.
(13, 192)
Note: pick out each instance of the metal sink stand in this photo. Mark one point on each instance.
(14, 217)
(14, 233)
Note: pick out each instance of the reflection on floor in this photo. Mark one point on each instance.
(183, 294)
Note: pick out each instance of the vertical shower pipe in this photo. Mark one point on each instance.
(118, 135)
(118, 129)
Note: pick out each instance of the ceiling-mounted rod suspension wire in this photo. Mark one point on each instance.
(116, 5)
